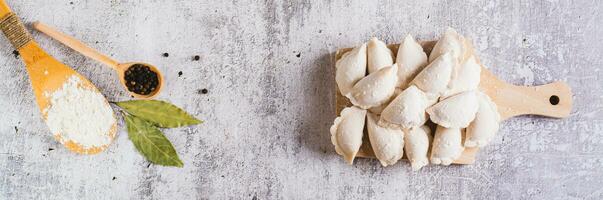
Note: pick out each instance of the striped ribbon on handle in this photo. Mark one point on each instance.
(14, 30)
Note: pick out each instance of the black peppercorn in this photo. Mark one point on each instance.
(140, 79)
(196, 58)
(166, 54)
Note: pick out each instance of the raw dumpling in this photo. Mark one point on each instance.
(417, 142)
(485, 125)
(465, 77)
(447, 145)
(407, 109)
(347, 131)
(388, 144)
(350, 69)
(452, 43)
(379, 56)
(435, 77)
(374, 89)
(411, 60)
(378, 109)
(456, 111)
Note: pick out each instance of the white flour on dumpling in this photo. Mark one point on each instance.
(435, 77)
(465, 77)
(350, 69)
(447, 145)
(388, 144)
(456, 111)
(378, 109)
(407, 109)
(452, 43)
(374, 89)
(347, 131)
(379, 56)
(411, 60)
(485, 125)
(416, 144)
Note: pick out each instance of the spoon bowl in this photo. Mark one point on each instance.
(121, 71)
(120, 68)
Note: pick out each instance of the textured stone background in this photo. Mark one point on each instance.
(267, 66)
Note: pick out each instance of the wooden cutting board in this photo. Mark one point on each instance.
(550, 100)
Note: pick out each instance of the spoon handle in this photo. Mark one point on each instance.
(12, 27)
(76, 45)
(4, 9)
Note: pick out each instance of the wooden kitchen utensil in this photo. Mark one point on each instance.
(120, 68)
(551, 100)
(46, 73)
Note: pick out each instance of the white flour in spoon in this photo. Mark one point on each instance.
(80, 114)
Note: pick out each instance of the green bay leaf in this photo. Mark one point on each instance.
(160, 113)
(151, 142)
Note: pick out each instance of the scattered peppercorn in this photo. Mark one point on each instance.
(204, 91)
(298, 55)
(179, 73)
(166, 54)
(141, 80)
(196, 58)
(16, 53)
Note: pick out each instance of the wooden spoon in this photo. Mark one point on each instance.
(120, 68)
(46, 73)
(550, 100)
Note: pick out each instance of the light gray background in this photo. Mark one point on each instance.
(268, 68)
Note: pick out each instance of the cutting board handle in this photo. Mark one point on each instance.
(550, 100)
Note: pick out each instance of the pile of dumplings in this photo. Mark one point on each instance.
(400, 93)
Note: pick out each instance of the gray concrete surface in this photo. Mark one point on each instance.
(267, 66)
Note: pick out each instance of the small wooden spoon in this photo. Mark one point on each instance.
(551, 100)
(46, 73)
(120, 68)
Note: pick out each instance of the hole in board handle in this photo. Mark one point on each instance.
(554, 100)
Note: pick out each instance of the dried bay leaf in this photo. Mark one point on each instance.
(151, 142)
(160, 113)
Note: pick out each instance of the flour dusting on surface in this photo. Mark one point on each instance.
(80, 114)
